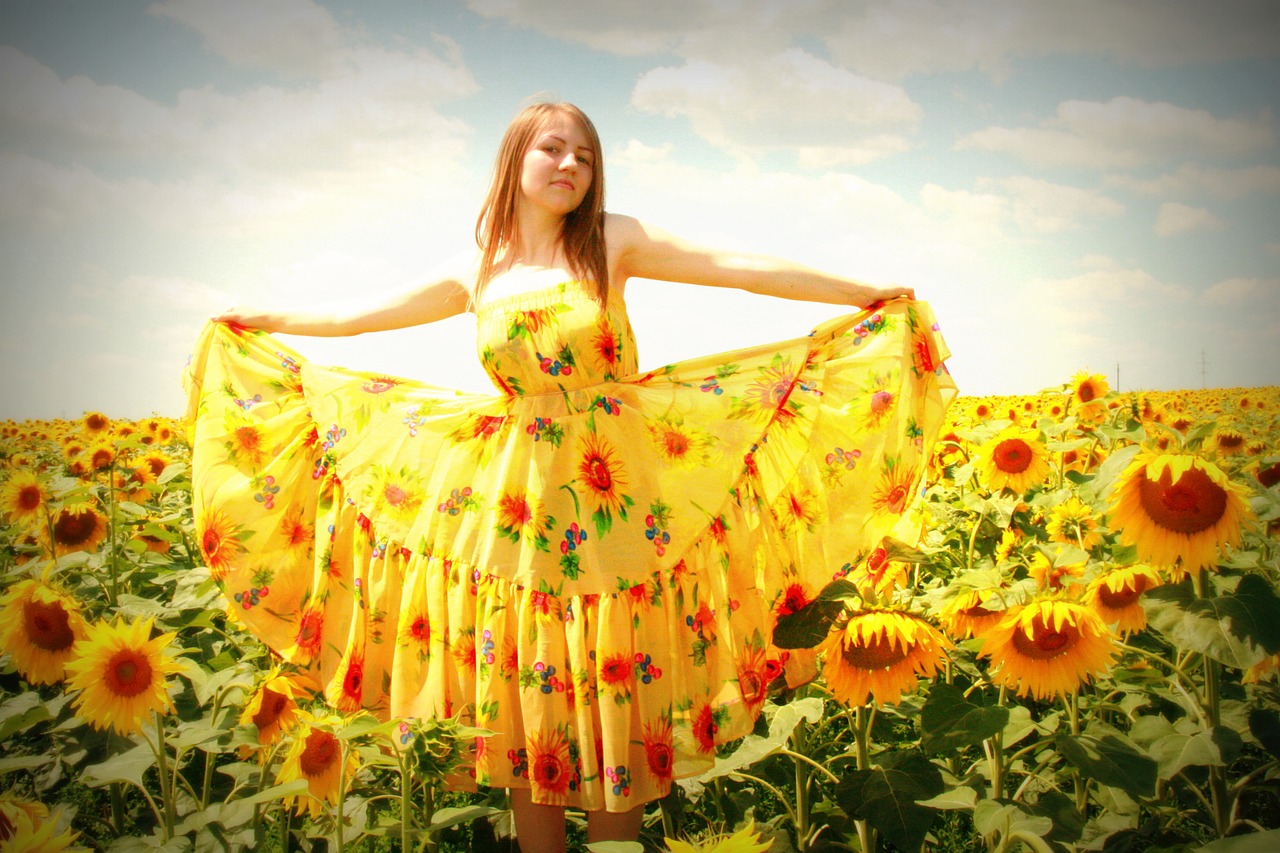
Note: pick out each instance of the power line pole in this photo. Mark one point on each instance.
(1203, 364)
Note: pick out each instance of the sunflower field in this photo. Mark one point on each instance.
(1081, 653)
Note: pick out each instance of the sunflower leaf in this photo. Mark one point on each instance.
(950, 721)
(808, 626)
(885, 796)
(1111, 760)
(128, 766)
(1237, 629)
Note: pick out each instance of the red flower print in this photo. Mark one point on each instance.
(793, 600)
(353, 684)
(705, 728)
(549, 769)
(420, 629)
(616, 670)
(310, 632)
(659, 752)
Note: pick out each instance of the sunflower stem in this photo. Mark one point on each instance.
(861, 729)
(802, 782)
(996, 755)
(1078, 781)
(973, 539)
(406, 801)
(169, 817)
(1222, 799)
(117, 808)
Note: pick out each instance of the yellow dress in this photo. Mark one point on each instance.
(590, 562)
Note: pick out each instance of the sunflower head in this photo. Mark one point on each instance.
(880, 654)
(273, 708)
(1115, 596)
(23, 497)
(1016, 459)
(121, 673)
(316, 754)
(1178, 510)
(1048, 648)
(78, 527)
(39, 626)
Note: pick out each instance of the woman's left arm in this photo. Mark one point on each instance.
(645, 251)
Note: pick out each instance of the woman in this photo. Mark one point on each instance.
(590, 563)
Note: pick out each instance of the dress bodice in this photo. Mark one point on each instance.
(554, 339)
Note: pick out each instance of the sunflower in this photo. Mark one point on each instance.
(606, 348)
(753, 677)
(601, 473)
(1048, 647)
(879, 655)
(316, 755)
(95, 423)
(39, 625)
(745, 840)
(120, 672)
(1073, 523)
(395, 494)
(878, 576)
(22, 498)
(659, 750)
(100, 456)
(678, 445)
(876, 401)
(1015, 459)
(798, 509)
(1049, 576)
(972, 613)
(22, 831)
(1088, 389)
(298, 535)
(78, 527)
(219, 540)
(893, 492)
(550, 769)
(273, 708)
(1178, 510)
(1115, 595)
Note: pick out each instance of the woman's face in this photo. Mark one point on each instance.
(558, 167)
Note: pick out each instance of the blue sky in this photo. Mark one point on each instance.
(1088, 186)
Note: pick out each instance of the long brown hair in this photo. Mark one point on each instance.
(582, 237)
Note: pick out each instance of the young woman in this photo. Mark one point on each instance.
(588, 564)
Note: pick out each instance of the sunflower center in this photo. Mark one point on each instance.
(1192, 504)
(29, 498)
(128, 673)
(598, 475)
(394, 494)
(273, 705)
(319, 754)
(48, 626)
(1012, 456)
(1044, 642)
(880, 401)
(74, 528)
(211, 542)
(661, 757)
(676, 443)
(1118, 599)
(547, 770)
(874, 654)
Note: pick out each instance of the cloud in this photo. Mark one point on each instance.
(1175, 218)
(1190, 180)
(895, 39)
(1233, 291)
(1043, 207)
(295, 37)
(786, 100)
(1124, 133)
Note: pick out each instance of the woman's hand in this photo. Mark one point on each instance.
(250, 317)
(885, 294)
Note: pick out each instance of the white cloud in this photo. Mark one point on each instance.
(1044, 207)
(1124, 133)
(788, 99)
(1233, 291)
(1191, 180)
(1175, 218)
(893, 39)
(1111, 284)
(292, 36)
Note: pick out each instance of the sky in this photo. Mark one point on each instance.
(1089, 186)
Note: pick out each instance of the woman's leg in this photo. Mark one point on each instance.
(539, 828)
(614, 826)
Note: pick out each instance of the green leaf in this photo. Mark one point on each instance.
(949, 721)
(808, 626)
(22, 712)
(1237, 629)
(885, 796)
(126, 767)
(1216, 747)
(960, 798)
(1264, 724)
(1110, 760)
(783, 720)
(1253, 842)
(23, 762)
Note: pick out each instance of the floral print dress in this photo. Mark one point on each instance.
(588, 564)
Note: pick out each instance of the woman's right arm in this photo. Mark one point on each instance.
(444, 296)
